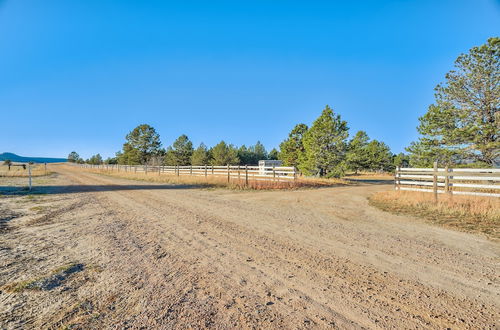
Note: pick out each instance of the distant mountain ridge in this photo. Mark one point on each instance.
(21, 159)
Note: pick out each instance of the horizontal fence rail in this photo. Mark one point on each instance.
(455, 181)
(231, 172)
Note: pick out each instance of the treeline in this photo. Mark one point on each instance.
(321, 150)
(143, 146)
(324, 149)
(460, 129)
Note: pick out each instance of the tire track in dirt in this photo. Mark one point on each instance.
(224, 236)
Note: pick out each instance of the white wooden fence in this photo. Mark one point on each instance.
(456, 181)
(241, 172)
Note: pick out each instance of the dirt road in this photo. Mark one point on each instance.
(150, 255)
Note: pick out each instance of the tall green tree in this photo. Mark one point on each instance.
(73, 157)
(143, 142)
(292, 149)
(274, 154)
(259, 152)
(357, 156)
(111, 160)
(129, 155)
(379, 156)
(252, 154)
(95, 160)
(401, 159)
(325, 145)
(223, 154)
(464, 122)
(200, 156)
(180, 152)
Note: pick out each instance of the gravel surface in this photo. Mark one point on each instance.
(87, 250)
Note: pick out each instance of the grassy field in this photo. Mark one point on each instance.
(466, 213)
(19, 171)
(221, 181)
(370, 176)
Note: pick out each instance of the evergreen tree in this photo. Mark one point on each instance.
(259, 152)
(244, 155)
(379, 156)
(325, 146)
(200, 156)
(273, 154)
(143, 142)
(223, 154)
(111, 160)
(357, 157)
(129, 156)
(464, 122)
(73, 157)
(401, 159)
(95, 160)
(252, 154)
(180, 152)
(292, 149)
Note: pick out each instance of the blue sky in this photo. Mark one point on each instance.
(78, 75)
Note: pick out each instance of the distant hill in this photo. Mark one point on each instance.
(21, 159)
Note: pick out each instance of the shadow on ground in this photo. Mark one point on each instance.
(371, 181)
(12, 190)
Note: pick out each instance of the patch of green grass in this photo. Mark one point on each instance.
(38, 208)
(19, 286)
(47, 282)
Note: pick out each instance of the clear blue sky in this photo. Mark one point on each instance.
(78, 75)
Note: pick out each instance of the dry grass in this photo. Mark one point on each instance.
(18, 171)
(466, 213)
(370, 176)
(221, 181)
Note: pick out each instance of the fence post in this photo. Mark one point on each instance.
(246, 175)
(205, 170)
(294, 174)
(212, 170)
(434, 182)
(29, 173)
(274, 174)
(239, 174)
(228, 174)
(191, 170)
(177, 170)
(396, 178)
(159, 169)
(146, 168)
(446, 180)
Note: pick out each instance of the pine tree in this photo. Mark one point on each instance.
(180, 152)
(292, 148)
(464, 122)
(73, 157)
(401, 159)
(273, 154)
(259, 152)
(200, 156)
(143, 142)
(223, 154)
(244, 155)
(325, 146)
(357, 157)
(379, 156)
(95, 160)
(129, 156)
